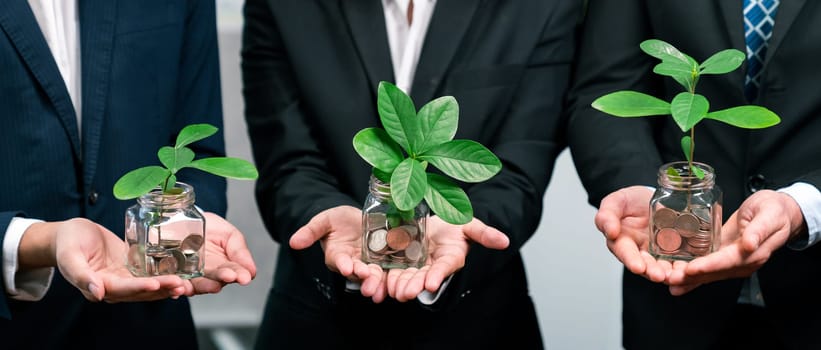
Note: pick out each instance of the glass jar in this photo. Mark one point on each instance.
(392, 238)
(165, 234)
(685, 220)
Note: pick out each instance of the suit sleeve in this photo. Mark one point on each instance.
(295, 181)
(198, 101)
(528, 142)
(610, 152)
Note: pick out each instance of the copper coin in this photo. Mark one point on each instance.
(192, 242)
(167, 266)
(668, 239)
(414, 251)
(376, 241)
(687, 222)
(398, 238)
(664, 217)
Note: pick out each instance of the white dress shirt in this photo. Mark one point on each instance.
(60, 24)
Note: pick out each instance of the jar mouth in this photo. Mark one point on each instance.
(682, 175)
(379, 188)
(157, 196)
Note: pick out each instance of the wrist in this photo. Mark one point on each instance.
(37, 246)
(798, 226)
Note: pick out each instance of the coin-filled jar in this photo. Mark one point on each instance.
(685, 212)
(165, 234)
(392, 238)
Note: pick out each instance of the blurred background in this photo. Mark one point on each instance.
(574, 281)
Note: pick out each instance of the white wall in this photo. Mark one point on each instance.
(574, 280)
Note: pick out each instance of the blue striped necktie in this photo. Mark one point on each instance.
(759, 18)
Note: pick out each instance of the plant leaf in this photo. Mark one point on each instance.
(672, 172)
(664, 51)
(381, 175)
(724, 61)
(686, 142)
(229, 167)
(688, 109)
(683, 73)
(175, 158)
(398, 115)
(139, 181)
(448, 201)
(749, 117)
(438, 120)
(193, 133)
(169, 183)
(697, 172)
(378, 149)
(408, 184)
(464, 160)
(631, 104)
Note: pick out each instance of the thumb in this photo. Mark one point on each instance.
(485, 235)
(76, 270)
(313, 231)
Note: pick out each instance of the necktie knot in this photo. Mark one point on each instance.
(759, 19)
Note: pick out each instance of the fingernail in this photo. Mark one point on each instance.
(94, 290)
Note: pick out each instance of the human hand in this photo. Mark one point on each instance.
(624, 218)
(92, 259)
(339, 231)
(227, 257)
(447, 250)
(763, 223)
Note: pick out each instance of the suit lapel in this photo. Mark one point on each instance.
(788, 10)
(19, 23)
(366, 22)
(448, 25)
(97, 19)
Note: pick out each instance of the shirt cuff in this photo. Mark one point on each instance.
(809, 200)
(428, 298)
(28, 285)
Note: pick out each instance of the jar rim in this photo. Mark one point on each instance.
(685, 178)
(157, 197)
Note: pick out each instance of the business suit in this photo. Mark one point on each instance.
(629, 151)
(311, 70)
(148, 69)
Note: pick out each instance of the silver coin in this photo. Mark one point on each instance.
(687, 222)
(376, 220)
(169, 243)
(157, 252)
(664, 218)
(414, 251)
(412, 230)
(192, 242)
(377, 240)
(192, 263)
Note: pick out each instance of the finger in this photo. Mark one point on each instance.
(206, 286)
(716, 266)
(438, 272)
(677, 275)
(608, 217)
(393, 277)
(654, 270)
(141, 288)
(372, 283)
(313, 231)
(758, 230)
(402, 283)
(361, 270)
(684, 289)
(485, 235)
(238, 252)
(381, 292)
(343, 264)
(627, 251)
(416, 284)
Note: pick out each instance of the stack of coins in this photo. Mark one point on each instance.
(169, 256)
(389, 245)
(685, 234)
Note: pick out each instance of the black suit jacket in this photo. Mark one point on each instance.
(611, 152)
(148, 69)
(311, 70)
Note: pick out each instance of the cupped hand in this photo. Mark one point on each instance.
(227, 257)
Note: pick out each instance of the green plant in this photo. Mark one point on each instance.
(142, 180)
(687, 108)
(410, 141)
